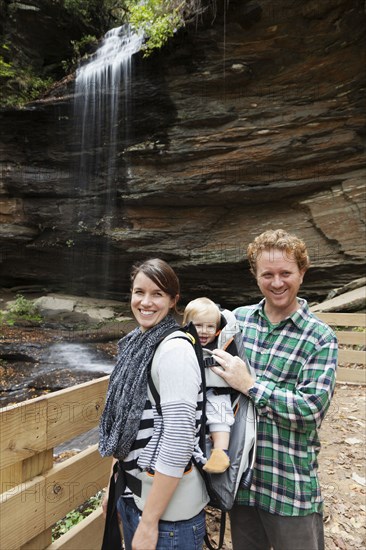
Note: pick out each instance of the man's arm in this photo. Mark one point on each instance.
(301, 408)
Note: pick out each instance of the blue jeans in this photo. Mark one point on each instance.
(173, 535)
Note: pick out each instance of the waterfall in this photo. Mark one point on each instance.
(102, 119)
(97, 91)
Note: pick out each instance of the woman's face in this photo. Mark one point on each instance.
(149, 304)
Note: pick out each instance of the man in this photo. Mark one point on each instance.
(294, 356)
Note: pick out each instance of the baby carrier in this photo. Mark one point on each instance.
(221, 488)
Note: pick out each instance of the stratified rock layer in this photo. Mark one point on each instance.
(255, 121)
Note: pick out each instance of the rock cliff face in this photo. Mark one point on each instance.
(255, 121)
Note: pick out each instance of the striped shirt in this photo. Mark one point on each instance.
(166, 443)
(295, 363)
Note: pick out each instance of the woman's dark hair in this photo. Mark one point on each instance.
(160, 273)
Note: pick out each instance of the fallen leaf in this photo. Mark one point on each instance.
(326, 519)
(352, 441)
(358, 479)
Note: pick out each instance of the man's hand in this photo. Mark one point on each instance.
(235, 371)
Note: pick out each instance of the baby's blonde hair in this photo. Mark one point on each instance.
(201, 306)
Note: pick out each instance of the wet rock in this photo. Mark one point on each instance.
(235, 128)
(30, 369)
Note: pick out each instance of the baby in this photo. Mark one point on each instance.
(209, 323)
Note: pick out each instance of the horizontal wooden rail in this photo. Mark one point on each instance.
(35, 492)
(33, 426)
(86, 535)
(351, 356)
(351, 338)
(348, 340)
(36, 505)
(343, 319)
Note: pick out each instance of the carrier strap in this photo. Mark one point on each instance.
(207, 539)
(112, 535)
(134, 484)
(152, 387)
(154, 392)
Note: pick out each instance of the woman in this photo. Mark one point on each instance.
(144, 440)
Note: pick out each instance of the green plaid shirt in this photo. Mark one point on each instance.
(295, 363)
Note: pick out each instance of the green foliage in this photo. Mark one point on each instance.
(19, 85)
(81, 46)
(80, 50)
(21, 309)
(6, 69)
(22, 85)
(34, 86)
(75, 516)
(157, 19)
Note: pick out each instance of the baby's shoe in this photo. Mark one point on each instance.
(217, 463)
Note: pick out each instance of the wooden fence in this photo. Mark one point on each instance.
(36, 492)
(352, 344)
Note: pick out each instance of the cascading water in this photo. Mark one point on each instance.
(102, 118)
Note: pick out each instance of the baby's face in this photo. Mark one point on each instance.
(206, 326)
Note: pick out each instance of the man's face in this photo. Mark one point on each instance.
(279, 280)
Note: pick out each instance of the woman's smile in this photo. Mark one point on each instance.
(149, 304)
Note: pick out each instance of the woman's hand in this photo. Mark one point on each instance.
(235, 371)
(105, 503)
(146, 536)
(147, 533)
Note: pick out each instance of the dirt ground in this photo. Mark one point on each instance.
(341, 462)
(341, 472)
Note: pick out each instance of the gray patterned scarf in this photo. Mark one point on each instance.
(127, 390)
